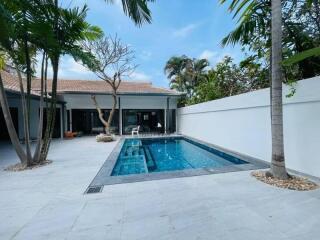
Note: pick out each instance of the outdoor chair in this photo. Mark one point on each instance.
(135, 130)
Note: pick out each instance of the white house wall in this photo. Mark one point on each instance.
(147, 102)
(242, 123)
(84, 101)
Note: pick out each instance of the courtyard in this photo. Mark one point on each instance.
(49, 203)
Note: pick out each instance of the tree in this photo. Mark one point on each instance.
(112, 61)
(227, 79)
(185, 74)
(69, 27)
(137, 10)
(20, 23)
(174, 69)
(300, 38)
(195, 73)
(278, 168)
(32, 26)
(27, 29)
(303, 35)
(249, 10)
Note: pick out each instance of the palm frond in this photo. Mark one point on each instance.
(137, 10)
(314, 52)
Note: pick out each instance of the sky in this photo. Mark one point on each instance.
(191, 27)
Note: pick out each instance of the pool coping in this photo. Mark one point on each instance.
(106, 170)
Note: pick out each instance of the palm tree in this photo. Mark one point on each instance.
(26, 30)
(69, 28)
(251, 20)
(174, 69)
(278, 168)
(137, 10)
(14, 41)
(185, 73)
(28, 26)
(195, 73)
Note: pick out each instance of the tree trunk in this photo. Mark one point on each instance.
(25, 118)
(11, 130)
(44, 66)
(114, 97)
(100, 114)
(278, 168)
(51, 113)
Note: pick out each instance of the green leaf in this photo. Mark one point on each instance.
(301, 56)
(137, 10)
(2, 60)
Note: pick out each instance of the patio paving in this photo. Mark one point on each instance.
(48, 203)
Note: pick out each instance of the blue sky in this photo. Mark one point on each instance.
(190, 27)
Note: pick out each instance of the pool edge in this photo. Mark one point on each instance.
(101, 180)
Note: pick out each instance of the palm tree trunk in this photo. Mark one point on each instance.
(44, 66)
(51, 112)
(11, 130)
(25, 118)
(278, 168)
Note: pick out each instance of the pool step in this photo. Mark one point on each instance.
(151, 164)
(133, 151)
(133, 165)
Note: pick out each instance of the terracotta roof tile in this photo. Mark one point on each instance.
(85, 86)
(11, 83)
(99, 86)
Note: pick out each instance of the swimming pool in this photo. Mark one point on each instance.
(155, 158)
(142, 156)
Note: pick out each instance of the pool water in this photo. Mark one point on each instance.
(168, 154)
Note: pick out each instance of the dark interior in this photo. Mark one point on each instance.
(4, 135)
(88, 122)
(57, 125)
(150, 121)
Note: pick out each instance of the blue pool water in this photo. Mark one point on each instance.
(168, 154)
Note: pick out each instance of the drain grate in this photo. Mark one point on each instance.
(94, 190)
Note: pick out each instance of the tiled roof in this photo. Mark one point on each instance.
(11, 83)
(99, 86)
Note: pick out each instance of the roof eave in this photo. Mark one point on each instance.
(122, 93)
(33, 96)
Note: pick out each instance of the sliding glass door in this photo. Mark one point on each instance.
(150, 121)
(88, 122)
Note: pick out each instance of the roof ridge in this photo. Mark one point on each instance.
(100, 80)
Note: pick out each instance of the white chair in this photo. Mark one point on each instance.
(135, 131)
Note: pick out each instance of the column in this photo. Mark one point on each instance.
(70, 117)
(62, 120)
(165, 121)
(120, 117)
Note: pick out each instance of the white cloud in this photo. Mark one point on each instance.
(139, 76)
(68, 69)
(214, 57)
(185, 31)
(207, 54)
(73, 66)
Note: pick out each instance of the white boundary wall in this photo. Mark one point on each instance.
(242, 123)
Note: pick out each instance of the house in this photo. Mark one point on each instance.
(138, 103)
